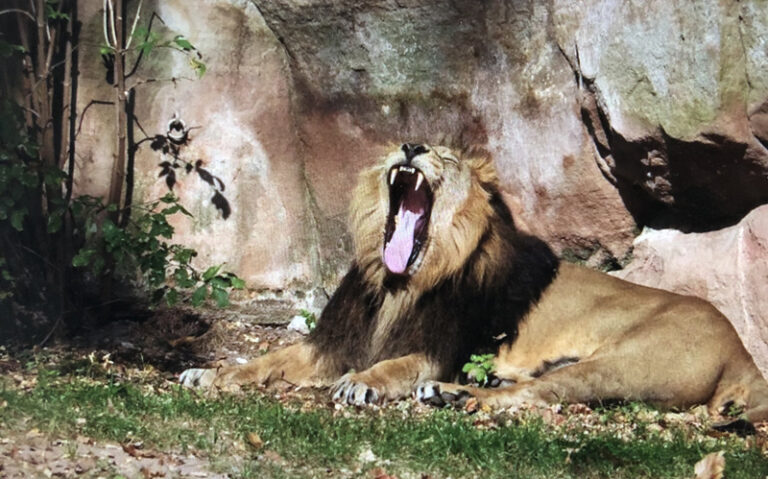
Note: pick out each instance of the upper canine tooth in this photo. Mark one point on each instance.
(392, 176)
(419, 179)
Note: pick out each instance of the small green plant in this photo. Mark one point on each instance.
(309, 318)
(479, 368)
(734, 410)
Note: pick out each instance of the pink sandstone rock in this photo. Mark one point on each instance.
(594, 124)
(728, 267)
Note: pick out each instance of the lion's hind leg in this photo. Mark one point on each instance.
(566, 385)
(439, 394)
(621, 374)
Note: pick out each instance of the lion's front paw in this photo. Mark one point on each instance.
(351, 389)
(440, 394)
(197, 378)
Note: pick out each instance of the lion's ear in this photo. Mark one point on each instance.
(481, 164)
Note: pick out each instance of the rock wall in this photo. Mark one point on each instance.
(604, 116)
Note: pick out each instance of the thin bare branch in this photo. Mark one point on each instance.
(141, 53)
(50, 333)
(136, 120)
(105, 23)
(31, 111)
(138, 83)
(18, 10)
(40, 98)
(66, 113)
(51, 69)
(51, 48)
(28, 73)
(135, 22)
(90, 104)
(112, 15)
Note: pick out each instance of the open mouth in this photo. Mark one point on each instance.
(410, 204)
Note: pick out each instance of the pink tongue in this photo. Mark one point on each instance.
(399, 248)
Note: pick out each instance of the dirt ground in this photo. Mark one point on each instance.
(168, 342)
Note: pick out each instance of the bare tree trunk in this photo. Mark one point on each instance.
(28, 73)
(118, 168)
(66, 160)
(131, 149)
(73, 34)
(43, 90)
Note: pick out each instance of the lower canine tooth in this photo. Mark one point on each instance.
(419, 179)
(392, 177)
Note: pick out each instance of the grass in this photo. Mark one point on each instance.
(328, 442)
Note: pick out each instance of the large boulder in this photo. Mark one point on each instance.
(675, 101)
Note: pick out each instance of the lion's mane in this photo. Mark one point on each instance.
(477, 279)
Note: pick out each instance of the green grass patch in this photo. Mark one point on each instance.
(310, 443)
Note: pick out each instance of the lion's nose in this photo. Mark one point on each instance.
(413, 150)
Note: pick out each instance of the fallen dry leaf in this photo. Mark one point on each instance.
(183, 341)
(134, 450)
(254, 440)
(380, 473)
(579, 408)
(471, 405)
(149, 474)
(272, 456)
(711, 466)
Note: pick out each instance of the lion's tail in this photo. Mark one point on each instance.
(741, 385)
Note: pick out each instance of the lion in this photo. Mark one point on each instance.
(440, 272)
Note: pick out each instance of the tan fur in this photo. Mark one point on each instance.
(295, 364)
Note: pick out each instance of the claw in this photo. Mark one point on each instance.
(337, 392)
(350, 396)
(430, 393)
(346, 391)
(427, 390)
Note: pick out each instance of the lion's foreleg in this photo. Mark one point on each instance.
(296, 364)
(389, 379)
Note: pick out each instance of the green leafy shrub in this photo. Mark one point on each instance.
(143, 245)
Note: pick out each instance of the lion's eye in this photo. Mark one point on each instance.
(450, 159)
